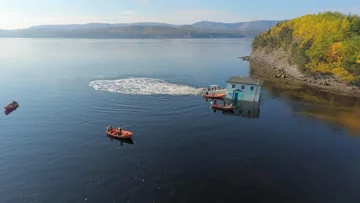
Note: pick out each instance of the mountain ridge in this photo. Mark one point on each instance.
(202, 29)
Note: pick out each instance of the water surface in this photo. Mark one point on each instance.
(54, 149)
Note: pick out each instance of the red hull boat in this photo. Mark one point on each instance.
(214, 96)
(11, 107)
(124, 134)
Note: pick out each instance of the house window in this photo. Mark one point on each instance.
(233, 86)
(242, 87)
(252, 88)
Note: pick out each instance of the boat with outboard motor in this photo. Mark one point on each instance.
(116, 133)
(11, 107)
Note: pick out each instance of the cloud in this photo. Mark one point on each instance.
(127, 12)
(10, 20)
(191, 16)
(8, 13)
(144, 1)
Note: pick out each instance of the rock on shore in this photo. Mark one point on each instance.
(245, 58)
(277, 67)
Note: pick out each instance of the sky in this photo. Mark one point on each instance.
(16, 14)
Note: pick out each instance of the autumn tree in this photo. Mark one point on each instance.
(325, 43)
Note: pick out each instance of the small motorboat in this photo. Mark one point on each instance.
(214, 96)
(11, 107)
(115, 134)
(222, 107)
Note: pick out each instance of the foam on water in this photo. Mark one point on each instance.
(145, 86)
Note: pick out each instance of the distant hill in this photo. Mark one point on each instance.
(247, 28)
(105, 31)
(142, 30)
(102, 25)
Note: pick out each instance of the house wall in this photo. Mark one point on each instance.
(247, 95)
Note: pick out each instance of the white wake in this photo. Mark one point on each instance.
(144, 86)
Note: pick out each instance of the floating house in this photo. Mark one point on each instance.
(243, 89)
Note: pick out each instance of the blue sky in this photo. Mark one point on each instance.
(24, 13)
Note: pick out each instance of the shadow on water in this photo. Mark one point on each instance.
(122, 140)
(308, 101)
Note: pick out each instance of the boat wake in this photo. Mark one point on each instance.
(144, 86)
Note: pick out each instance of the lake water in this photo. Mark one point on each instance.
(53, 148)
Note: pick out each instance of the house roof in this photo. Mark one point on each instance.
(245, 80)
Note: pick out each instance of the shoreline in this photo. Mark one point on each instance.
(274, 66)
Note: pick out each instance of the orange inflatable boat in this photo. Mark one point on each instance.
(214, 96)
(124, 134)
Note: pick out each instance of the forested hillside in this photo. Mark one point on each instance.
(152, 30)
(326, 43)
(109, 31)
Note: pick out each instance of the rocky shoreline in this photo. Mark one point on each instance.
(275, 66)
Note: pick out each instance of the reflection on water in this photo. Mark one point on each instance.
(340, 110)
(349, 119)
(7, 112)
(244, 109)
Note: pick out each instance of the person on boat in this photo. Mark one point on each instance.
(215, 101)
(224, 103)
(119, 131)
(109, 128)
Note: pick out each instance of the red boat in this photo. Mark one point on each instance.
(11, 107)
(222, 107)
(214, 96)
(115, 134)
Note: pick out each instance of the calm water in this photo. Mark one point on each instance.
(53, 148)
